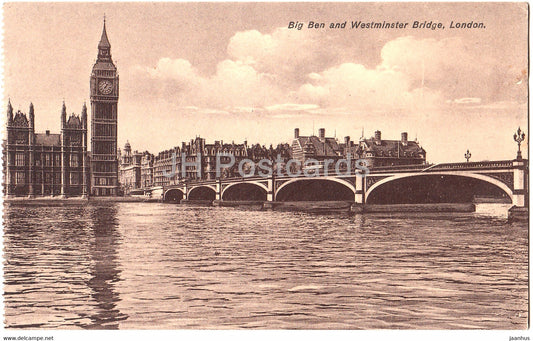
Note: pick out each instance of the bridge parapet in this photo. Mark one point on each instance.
(480, 165)
(475, 165)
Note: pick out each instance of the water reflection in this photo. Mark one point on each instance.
(104, 271)
(61, 266)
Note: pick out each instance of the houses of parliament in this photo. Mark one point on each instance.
(49, 164)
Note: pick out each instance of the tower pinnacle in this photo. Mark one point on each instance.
(63, 114)
(9, 111)
(104, 41)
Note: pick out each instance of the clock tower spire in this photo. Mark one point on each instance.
(104, 100)
(104, 47)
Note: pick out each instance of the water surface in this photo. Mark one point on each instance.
(158, 266)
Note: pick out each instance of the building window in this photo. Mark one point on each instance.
(74, 160)
(74, 178)
(57, 160)
(20, 178)
(19, 159)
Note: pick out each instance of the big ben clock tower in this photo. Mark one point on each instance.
(104, 99)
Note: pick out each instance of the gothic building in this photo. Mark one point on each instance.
(58, 164)
(43, 164)
(104, 99)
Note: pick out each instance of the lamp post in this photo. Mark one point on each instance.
(519, 136)
(468, 155)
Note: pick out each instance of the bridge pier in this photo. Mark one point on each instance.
(520, 209)
(360, 187)
(218, 192)
(519, 183)
(271, 193)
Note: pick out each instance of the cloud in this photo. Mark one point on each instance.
(285, 71)
(466, 100)
(358, 87)
(288, 55)
(292, 107)
(175, 69)
(234, 84)
(455, 67)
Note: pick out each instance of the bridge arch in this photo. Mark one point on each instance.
(202, 192)
(341, 189)
(173, 195)
(256, 191)
(500, 184)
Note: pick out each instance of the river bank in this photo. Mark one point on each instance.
(72, 200)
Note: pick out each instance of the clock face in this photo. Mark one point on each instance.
(105, 87)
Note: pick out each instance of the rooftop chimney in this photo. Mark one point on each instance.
(377, 136)
(322, 133)
(296, 133)
(47, 132)
(404, 138)
(347, 141)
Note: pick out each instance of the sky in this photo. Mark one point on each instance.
(235, 71)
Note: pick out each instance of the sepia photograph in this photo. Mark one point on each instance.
(266, 166)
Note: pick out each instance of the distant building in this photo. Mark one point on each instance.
(147, 170)
(380, 153)
(376, 151)
(44, 164)
(130, 169)
(204, 168)
(163, 165)
(315, 147)
(239, 152)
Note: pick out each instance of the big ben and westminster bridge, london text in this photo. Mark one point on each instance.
(358, 24)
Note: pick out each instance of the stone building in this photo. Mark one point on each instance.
(382, 153)
(130, 169)
(45, 164)
(376, 151)
(147, 170)
(163, 164)
(201, 159)
(315, 147)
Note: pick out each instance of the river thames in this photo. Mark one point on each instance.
(161, 266)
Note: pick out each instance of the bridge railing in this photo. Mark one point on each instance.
(446, 166)
(475, 165)
(504, 164)
(400, 168)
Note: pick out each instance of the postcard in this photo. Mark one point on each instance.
(310, 166)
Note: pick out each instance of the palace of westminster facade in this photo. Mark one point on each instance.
(46, 164)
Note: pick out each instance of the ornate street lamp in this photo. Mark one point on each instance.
(519, 136)
(468, 155)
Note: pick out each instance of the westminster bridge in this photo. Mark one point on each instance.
(438, 183)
